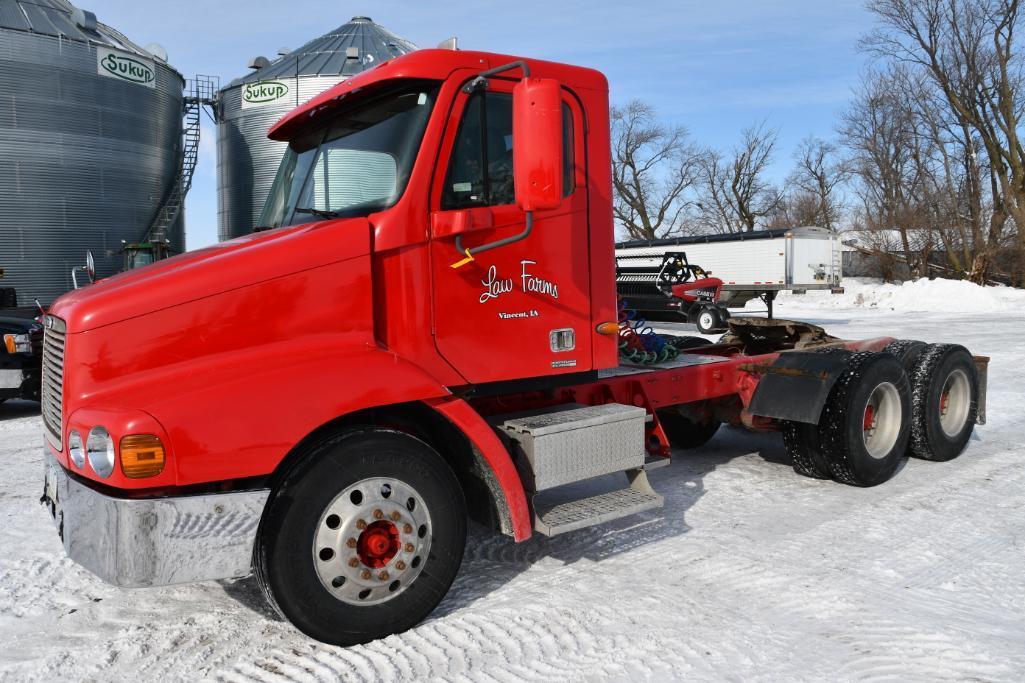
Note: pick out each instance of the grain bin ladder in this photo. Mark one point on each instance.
(201, 92)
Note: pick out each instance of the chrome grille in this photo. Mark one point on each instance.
(53, 380)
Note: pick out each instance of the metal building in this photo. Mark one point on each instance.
(247, 107)
(90, 144)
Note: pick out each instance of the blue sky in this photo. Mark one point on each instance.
(713, 66)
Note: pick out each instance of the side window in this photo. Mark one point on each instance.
(464, 184)
(480, 172)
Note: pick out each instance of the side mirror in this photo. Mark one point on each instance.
(89, 269)
(537, 143)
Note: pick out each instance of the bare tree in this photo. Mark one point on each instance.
(962, 192)
(968, 49)
(879, 131)
(653, 166)
(814, 197)
(736, 197)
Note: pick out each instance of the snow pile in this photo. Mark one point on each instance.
(931, 296)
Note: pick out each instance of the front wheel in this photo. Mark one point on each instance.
(363, 538)
(710, 320)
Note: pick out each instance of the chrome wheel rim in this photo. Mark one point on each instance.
(372, 541)
(955, 401)
(882, 420)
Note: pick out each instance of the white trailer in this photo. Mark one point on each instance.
(757, 264)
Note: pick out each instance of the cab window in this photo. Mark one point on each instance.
(480, 171)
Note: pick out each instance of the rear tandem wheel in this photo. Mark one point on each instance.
(863, 431)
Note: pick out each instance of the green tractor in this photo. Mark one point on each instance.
(138, 254)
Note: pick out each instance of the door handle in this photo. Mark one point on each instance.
(447, 223)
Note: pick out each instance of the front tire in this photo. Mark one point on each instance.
(363, 538)
(709, 320)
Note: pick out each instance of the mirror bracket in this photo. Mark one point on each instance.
(481, 81)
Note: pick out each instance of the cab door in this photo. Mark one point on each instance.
(523, 309)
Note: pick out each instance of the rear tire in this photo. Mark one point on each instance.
(801, 442)
(344, 561)
(865, 424)
(907, 352)
(945, 394)
(685, 433)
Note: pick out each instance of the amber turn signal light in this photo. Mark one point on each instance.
(607, 328)
(142, 455)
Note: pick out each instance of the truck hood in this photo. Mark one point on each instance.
(213, 270)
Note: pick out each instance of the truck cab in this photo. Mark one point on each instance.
(423, 328)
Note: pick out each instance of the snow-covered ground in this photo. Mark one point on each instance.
(750, 572)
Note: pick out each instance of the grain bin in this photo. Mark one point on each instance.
(90, 133)
(249, 106)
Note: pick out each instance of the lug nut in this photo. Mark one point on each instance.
(400, 565)
(351, 543)
(409, 548)
(378, 514)
(366, 574)
(396, 516)
(407, 529)
(354, 562)
(383, 576)
(360, 524)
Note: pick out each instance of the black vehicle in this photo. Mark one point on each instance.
(21, 357)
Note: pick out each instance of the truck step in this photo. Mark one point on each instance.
(574, 442)
(585, 512)
(654, 462)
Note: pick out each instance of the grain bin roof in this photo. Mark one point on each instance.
(57, 18)
(329, 55)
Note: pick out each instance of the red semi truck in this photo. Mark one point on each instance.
(424, 330)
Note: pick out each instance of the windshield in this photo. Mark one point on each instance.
(356, 164)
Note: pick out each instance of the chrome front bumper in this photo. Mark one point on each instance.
(153, 541)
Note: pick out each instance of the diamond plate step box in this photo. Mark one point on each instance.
(577, 442)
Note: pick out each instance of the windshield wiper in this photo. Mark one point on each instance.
(317, 212)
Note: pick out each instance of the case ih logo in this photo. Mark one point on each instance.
(263, 92)
(124, 67)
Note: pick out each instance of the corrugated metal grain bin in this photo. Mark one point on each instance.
(249, 106)
(90, 138)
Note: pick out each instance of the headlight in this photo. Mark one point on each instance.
(100, 449)
(76, 449)
(18, 343)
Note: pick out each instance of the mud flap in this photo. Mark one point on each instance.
(796, 385)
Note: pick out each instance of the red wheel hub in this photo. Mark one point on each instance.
(378, 544)
(944, 402)
(870, 418)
